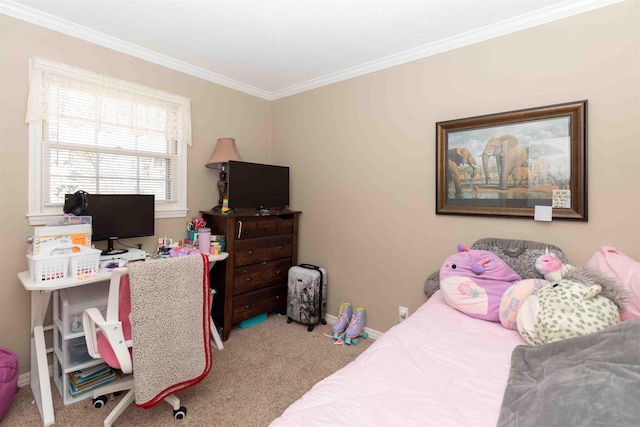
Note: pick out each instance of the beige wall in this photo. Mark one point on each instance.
(216, 112)
(362, 152)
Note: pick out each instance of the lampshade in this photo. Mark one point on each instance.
(225, 150)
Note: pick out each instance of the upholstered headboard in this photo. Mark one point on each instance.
(520, 255)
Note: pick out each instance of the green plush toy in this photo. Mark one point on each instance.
(573, 306)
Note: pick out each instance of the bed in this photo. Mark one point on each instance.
(438, 367)
(441, 367)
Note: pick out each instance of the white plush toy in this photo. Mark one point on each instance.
(584, 301)
(550, 266)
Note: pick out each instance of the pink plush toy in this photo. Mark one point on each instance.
(473, 281)
(550, 266)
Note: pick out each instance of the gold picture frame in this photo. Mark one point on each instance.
(508, 163)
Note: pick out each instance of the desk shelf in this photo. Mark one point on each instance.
(69, 346)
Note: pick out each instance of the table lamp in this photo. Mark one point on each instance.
(225, 150)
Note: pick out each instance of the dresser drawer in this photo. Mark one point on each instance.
(267, 228)
(254, 276)
(263, 228)
(272, 298)
(253, 251)
(285, 226)
(246, 229)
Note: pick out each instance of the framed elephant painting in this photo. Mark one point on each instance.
(508, 164)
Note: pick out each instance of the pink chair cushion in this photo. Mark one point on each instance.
(124, 309)
(105, 350)
(124, 306)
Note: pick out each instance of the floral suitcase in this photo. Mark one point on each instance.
(307, 295)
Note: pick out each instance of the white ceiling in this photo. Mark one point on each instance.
(275, 48)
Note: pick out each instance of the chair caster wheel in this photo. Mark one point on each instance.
(324, 322)
(310, 328)
(179, 414)
(99, 401)
(289, 320)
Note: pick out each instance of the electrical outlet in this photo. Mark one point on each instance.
(403, 313)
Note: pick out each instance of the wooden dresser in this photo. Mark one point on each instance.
(253, 280)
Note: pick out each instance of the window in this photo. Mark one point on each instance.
(103, 135)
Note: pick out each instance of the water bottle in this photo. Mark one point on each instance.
(204, 240)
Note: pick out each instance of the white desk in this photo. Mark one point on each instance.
(40, 298)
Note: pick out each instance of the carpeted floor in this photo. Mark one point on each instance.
(261, 371)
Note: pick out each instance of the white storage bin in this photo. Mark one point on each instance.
(73, 301)
(62, 262)
(48, 268)
(75, 353)
(85, 263)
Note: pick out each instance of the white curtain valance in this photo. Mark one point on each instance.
(106, 101)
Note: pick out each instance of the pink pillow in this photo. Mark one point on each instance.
(513, 298)
(627, 270)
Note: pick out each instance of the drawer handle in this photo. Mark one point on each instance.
(280, 247)
(247, 307)
(248, 279)
(278, 272)
(267, 230)
(251, 252)
(277, 296)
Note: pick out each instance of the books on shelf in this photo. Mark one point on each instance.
(87, 379)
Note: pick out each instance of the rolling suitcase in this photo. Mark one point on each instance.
(307, 295)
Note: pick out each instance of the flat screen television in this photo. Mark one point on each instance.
(120, 216)
(258, 186)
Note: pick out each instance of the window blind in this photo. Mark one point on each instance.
(104, 135)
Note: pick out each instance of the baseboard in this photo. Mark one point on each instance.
(373, 334)
(24, 380)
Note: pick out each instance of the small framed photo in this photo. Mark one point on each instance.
(508, 163)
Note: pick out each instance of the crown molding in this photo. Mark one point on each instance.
(543, 16)
(51, 22)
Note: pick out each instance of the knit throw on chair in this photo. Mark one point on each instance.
(170, 327)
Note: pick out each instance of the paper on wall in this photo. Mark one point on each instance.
(542, 213)
(561, 199)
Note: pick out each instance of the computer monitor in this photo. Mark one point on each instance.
(120, 216)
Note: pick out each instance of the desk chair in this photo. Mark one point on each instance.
(115, 343)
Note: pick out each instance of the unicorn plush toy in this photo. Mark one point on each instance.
(550, 266)
(473, 281)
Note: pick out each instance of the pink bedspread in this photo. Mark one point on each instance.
(437, 368)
